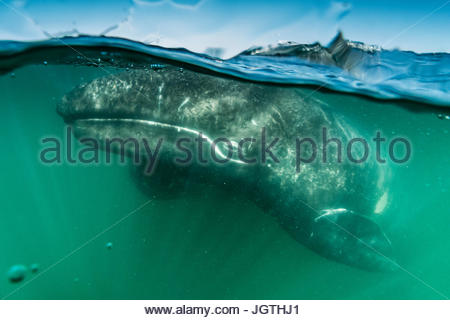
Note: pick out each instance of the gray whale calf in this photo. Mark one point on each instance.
(331, 207)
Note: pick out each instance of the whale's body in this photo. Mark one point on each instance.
(329, 207)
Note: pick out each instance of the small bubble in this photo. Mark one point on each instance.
(109, 245)
(17, 273)
(34, 268)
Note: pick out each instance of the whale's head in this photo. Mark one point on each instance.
(109, 106)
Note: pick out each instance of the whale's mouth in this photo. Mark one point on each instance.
(81, 122)
(123, 129)
(114, 125)
(73, 117)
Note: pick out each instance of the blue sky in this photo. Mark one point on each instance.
(234, 25)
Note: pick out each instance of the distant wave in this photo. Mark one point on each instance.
(343, 65)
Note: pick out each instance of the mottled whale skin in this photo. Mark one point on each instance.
(329, 207)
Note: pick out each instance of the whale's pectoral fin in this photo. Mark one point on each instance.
(353, 239)
(170, 181)
(166, 183)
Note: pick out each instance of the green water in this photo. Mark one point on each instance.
(209, 246)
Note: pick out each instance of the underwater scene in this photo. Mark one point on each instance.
(293, 171)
